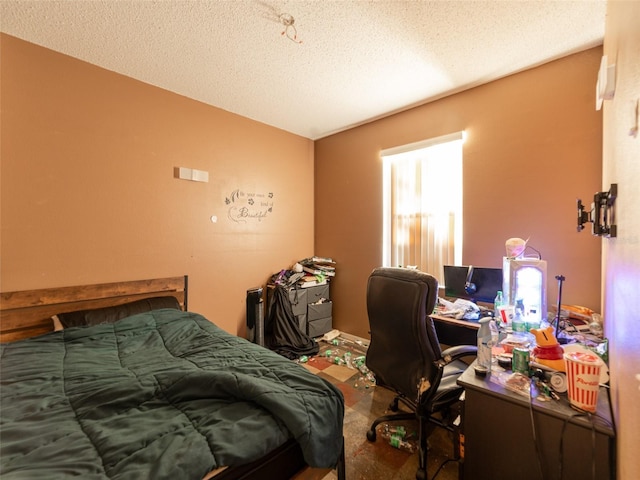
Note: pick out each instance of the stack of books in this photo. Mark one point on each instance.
(317, 271)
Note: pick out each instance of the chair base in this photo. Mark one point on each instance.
(423, 426)
(426, 425)
(371, 434)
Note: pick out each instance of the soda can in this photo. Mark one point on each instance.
(520, 362)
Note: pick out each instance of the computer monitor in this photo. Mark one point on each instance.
(454, 281)
(484, 283)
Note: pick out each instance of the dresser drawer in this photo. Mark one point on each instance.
(316, 293)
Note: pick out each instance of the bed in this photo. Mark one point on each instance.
(136, 386)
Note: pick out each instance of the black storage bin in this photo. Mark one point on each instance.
(255, 316)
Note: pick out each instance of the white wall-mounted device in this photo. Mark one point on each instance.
(606, 84)
(192, 174)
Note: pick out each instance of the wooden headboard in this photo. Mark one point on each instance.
(28, 313)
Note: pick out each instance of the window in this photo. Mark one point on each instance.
(422, 203)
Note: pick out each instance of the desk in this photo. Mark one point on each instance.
(456, 332)
(499, 436)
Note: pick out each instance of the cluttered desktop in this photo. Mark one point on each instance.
(517, 292)
(472, 289)
(547, 367)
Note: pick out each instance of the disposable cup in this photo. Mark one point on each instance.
(515, 247)
(583, 379)
(506, 314)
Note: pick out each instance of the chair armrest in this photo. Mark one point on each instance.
(459, 351)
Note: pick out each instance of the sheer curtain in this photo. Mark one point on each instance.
(423, 206)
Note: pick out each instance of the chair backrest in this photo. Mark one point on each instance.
(404, 344)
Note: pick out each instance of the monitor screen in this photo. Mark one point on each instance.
(486, 280)
(454, 281)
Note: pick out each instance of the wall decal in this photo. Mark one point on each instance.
(248, 206)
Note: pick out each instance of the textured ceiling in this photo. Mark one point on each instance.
(358, 60)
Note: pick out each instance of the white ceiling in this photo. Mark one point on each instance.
(358, 60)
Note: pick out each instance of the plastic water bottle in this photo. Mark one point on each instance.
(499, 301)
(483, 358)
(396, 437)
(519, 325)
(495, 333)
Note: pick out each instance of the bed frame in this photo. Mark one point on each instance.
(28, 313)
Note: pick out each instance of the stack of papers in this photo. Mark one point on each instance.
(317, 271)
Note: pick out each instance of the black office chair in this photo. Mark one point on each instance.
(405, 356)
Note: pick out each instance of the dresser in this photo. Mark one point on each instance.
(311, 306)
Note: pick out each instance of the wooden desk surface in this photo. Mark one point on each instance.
(602, 420)
(454, 321)
(452, 331)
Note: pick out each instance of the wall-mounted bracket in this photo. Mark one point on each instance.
(601, 213)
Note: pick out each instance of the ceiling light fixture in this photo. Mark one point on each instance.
(289, 28)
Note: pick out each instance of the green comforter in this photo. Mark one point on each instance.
(163, 394)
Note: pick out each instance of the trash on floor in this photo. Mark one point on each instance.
(346, 351)
(398, 437)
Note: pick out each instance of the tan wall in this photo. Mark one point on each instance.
(621, 255)
(534, 146)
(88, 193)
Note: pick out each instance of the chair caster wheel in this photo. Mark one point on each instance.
(421, 474)
(371, 435)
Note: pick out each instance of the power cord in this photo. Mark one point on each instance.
(533, 431)
(593, 443)
(612, 454)
(529, 247)
(591, 417)
(442, 465)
